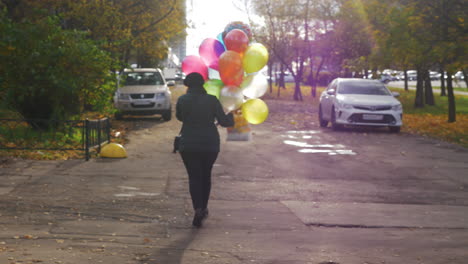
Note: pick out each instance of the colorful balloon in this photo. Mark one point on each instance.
(255, 58)
(246, 81)
(194, 63)
(213, 74)
(230, 68)
(210, 49)
(236, 40)
(238, 25)
(257, 87)
(220, 37)
(255, 111)
(213, 87)
(231, 98)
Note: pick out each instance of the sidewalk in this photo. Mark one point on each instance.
(137, 210)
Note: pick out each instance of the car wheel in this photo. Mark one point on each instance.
(167, 115)
(323, 123)
(394, 129)
(335, 126)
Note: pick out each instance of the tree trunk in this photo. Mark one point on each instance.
(442, 82)
(406, 79)
(429, 95)
(316, 76)
(419, 99)
(270, 74)
(465, 77)
(451, 99)
(297, 92)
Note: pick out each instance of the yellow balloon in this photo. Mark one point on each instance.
(255, 111)
(255, 58)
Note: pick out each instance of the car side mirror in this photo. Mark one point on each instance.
(331, 92)
(395, 94)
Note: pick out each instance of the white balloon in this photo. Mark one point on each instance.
(213, 74)
(231, 98)
(257, 87)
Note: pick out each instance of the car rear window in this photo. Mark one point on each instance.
(142, 78)
(367, 88)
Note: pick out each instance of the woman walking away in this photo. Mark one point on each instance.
(199, 143)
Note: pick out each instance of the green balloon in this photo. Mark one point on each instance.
(213, 87)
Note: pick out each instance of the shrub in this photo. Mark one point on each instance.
(48, 72)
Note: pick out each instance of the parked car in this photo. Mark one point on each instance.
(386, 78)
(288, 77)
(434, 76)
(143, 92)
(412, 75)
(459, 76)
(353, 101)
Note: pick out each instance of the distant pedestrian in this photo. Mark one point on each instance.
(200, 143)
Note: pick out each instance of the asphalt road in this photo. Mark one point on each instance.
(296, 193)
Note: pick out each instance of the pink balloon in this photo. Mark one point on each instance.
(210, 50)
(194, 63)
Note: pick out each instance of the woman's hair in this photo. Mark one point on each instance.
(194, 79)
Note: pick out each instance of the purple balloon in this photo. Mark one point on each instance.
(210, 50)
(220, 38)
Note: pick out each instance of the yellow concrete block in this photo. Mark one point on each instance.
(113, 150)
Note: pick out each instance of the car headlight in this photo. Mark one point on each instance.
(160, 95)
(344, 105)
(397, 107)
(124, 96)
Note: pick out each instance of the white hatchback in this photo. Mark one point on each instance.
(352, 101)
(143, 92)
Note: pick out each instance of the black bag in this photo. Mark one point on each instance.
(176, 143)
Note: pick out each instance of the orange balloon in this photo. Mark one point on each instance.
(230, 68)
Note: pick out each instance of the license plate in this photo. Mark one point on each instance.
(372, 117)
(141, 102)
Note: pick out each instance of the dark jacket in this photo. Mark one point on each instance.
(198, 111)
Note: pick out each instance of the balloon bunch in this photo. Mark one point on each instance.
(230, 65)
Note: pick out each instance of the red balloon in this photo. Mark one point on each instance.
(194, 64)
(230, 68)
(236, 40)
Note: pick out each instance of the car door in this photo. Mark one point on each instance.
(327, 100)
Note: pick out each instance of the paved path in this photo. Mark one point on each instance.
(295, 194)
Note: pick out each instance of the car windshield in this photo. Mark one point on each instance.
(142, 78)
(367, 88)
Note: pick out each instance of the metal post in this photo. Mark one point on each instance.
(87, 139)
(108, 128)
(99, 135)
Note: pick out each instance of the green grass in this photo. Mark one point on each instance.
(440, 107)
(460, 89)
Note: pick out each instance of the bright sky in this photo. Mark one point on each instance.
(208, 18)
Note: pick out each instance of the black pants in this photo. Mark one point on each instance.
(199, 165)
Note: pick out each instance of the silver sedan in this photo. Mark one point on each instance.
(352, 101)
